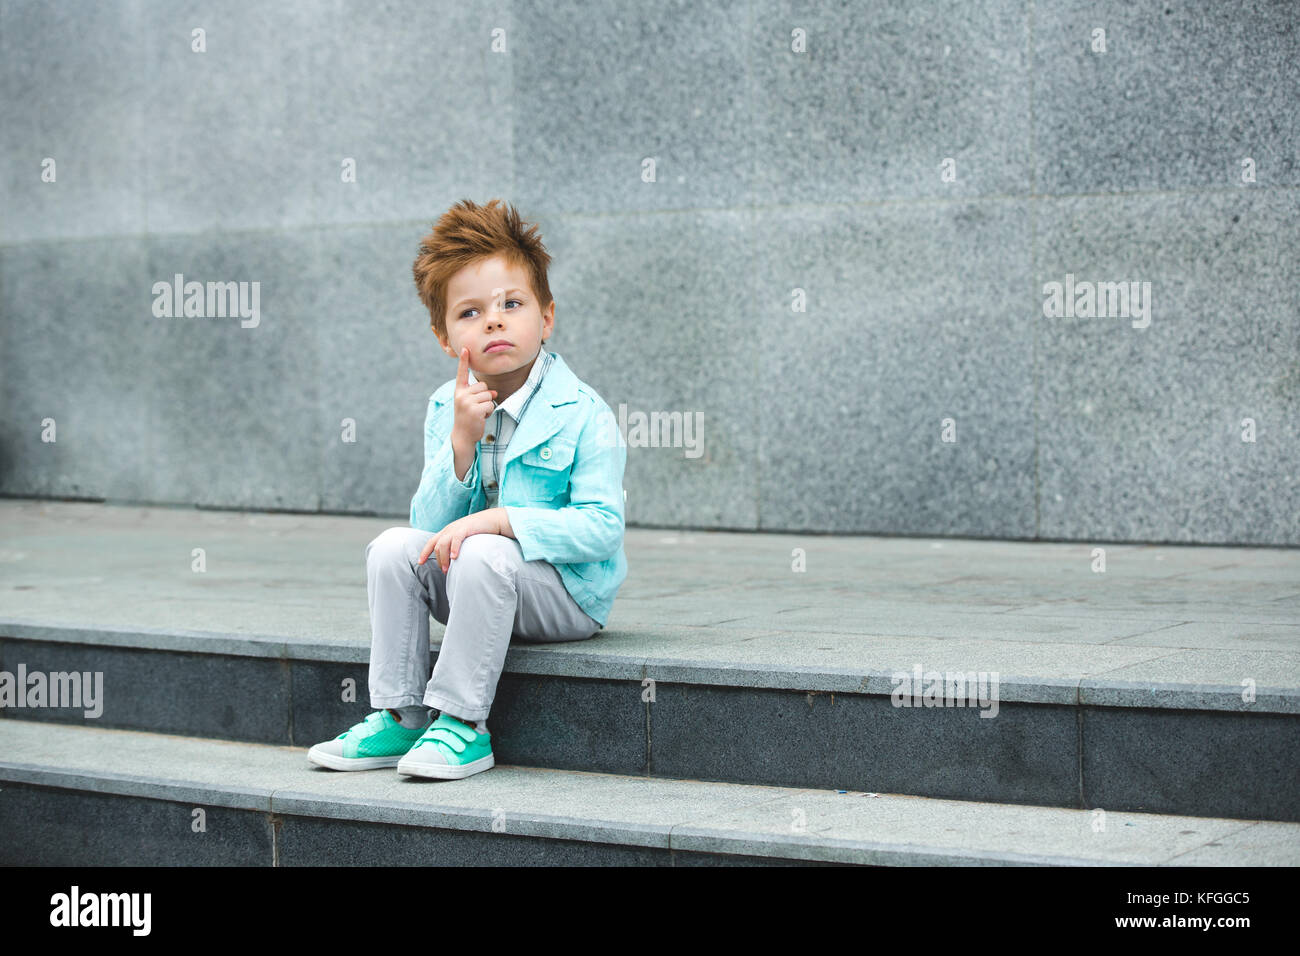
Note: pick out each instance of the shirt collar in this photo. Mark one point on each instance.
(515, 403)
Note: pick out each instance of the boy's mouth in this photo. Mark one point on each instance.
(498, 345)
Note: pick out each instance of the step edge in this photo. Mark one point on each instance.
(536, 661)
(692, 835)
(675, 837)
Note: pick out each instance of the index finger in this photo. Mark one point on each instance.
(462, 370)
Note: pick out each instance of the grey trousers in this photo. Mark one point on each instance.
(488, 595)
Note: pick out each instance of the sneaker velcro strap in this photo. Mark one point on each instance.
(445, 736)
(468, 734)
(373, 723)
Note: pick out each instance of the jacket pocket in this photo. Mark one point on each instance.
(544, 471)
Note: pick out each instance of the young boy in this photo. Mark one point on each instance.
(517, 525)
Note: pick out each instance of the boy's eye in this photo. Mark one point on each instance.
(468, 311)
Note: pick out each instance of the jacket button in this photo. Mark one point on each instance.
(489, 439)
(546, 454)
(492, 484)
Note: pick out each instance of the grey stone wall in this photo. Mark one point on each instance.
(822, 232)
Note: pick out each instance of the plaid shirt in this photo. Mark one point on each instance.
(500, 425)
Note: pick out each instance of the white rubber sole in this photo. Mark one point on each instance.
(441, 771)
(335, 762)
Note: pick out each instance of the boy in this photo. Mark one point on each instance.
(517, 525)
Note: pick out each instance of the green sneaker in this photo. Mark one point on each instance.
(449, 750)
(377, 741)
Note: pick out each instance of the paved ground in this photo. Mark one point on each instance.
(1159, 616)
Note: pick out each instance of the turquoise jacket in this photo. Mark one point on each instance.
(561, 484)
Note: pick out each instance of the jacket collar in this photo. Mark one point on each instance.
(558, 387)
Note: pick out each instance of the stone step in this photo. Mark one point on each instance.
(1168, 683)
(88, 796)
(703, 710)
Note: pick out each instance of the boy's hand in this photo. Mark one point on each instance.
(446, 543)
(472, 406)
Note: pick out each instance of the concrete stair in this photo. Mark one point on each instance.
(1121, 733)
(89, 796)
(1197, 751)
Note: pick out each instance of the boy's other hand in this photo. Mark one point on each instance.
(472, 406)
(446, 543)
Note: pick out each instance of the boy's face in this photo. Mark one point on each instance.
(490, 300)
